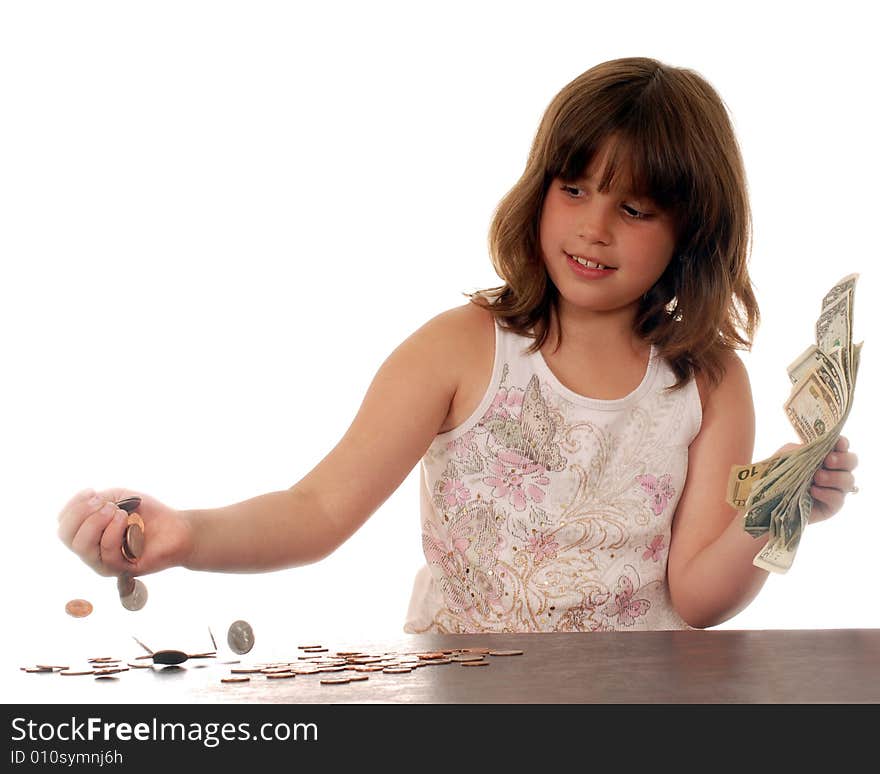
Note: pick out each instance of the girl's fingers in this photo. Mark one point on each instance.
(831, 497)
(840, 460)
(86, 542)
(842, 444)
(82, 506)
(842, 480)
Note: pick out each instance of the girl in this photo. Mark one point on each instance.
(576, 425)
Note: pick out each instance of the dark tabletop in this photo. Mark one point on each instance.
(725, 666)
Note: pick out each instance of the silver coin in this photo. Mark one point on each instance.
(137, 599)
(240, 637)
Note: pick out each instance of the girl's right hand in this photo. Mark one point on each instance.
(92, 527)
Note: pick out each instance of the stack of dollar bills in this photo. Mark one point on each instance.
(775, 493)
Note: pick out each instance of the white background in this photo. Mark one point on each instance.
(218, 219)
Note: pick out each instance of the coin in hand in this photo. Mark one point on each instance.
(240, 637)
(129, 504)
(133, 542)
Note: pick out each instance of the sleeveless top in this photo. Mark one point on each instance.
(550, 511)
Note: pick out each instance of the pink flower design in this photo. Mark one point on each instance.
(511, 479)
(543, 546)
(454, 492)
(658, 544)
(624, 606)
(659, 490)
(506, 404)
(461, 446)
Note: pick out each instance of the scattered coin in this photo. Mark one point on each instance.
(68, 673)
(396, 670)
(240, 637)
(78, 608)
(149, 650)
(505, 652)
(335, 680)
(137, 598)
(356, 678)
(235, 679)
(475, 663)
(169, 657)
(213, 641)
(280, 675)
(129, 504)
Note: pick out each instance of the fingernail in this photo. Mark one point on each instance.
(108, 508)
(120, 515)
(95, 502)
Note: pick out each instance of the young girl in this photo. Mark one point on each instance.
(575, 426)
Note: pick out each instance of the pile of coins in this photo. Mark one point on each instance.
(354, 666)
(339, 668)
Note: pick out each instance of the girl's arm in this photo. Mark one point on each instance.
(710, 571)
(403, 410)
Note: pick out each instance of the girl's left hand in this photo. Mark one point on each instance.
(833, 481)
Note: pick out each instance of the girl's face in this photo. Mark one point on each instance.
(629, 236)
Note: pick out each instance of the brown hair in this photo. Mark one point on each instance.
(672, 131)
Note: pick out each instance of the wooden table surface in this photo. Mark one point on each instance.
(690, 667)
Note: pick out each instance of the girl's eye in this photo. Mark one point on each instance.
(631, 212)
(634, 213)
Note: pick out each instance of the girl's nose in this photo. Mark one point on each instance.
(594, 225)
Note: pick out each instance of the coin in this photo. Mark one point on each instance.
(78, 608)
(166, 657)
(135, 518)
(125, 584)
(505, 652)
(475, 663)
(240, 637)
(68, 673)
(137, 598)
(235, 679)
(129, 504)
(335, 680)
(133, 542)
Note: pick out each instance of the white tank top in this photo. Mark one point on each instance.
(550, 511)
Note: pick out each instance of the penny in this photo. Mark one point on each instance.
(240, 637)
(280, 676)
(51, 667)
(133, 542)
(169, 657)
(235, 679)
(68, 673)
(78, 608)
(129, 504)
(335, 680)
(464, 658)
(246, 671)
(396, 670)
(135, 518)
(356, 678)
(505, 652)
(475, 663)
(137, 598)
(112, 671)
(138, 666)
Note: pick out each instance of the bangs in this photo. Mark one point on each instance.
(638, 160)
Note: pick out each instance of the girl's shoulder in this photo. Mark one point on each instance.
(733, 388)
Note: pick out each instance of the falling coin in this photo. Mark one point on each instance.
(125, 584)
(169, 657)
(78, 608)
(137, 598)
(240, 637)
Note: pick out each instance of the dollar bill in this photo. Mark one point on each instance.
(774, 494)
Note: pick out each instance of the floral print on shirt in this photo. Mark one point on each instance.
(544, 520)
